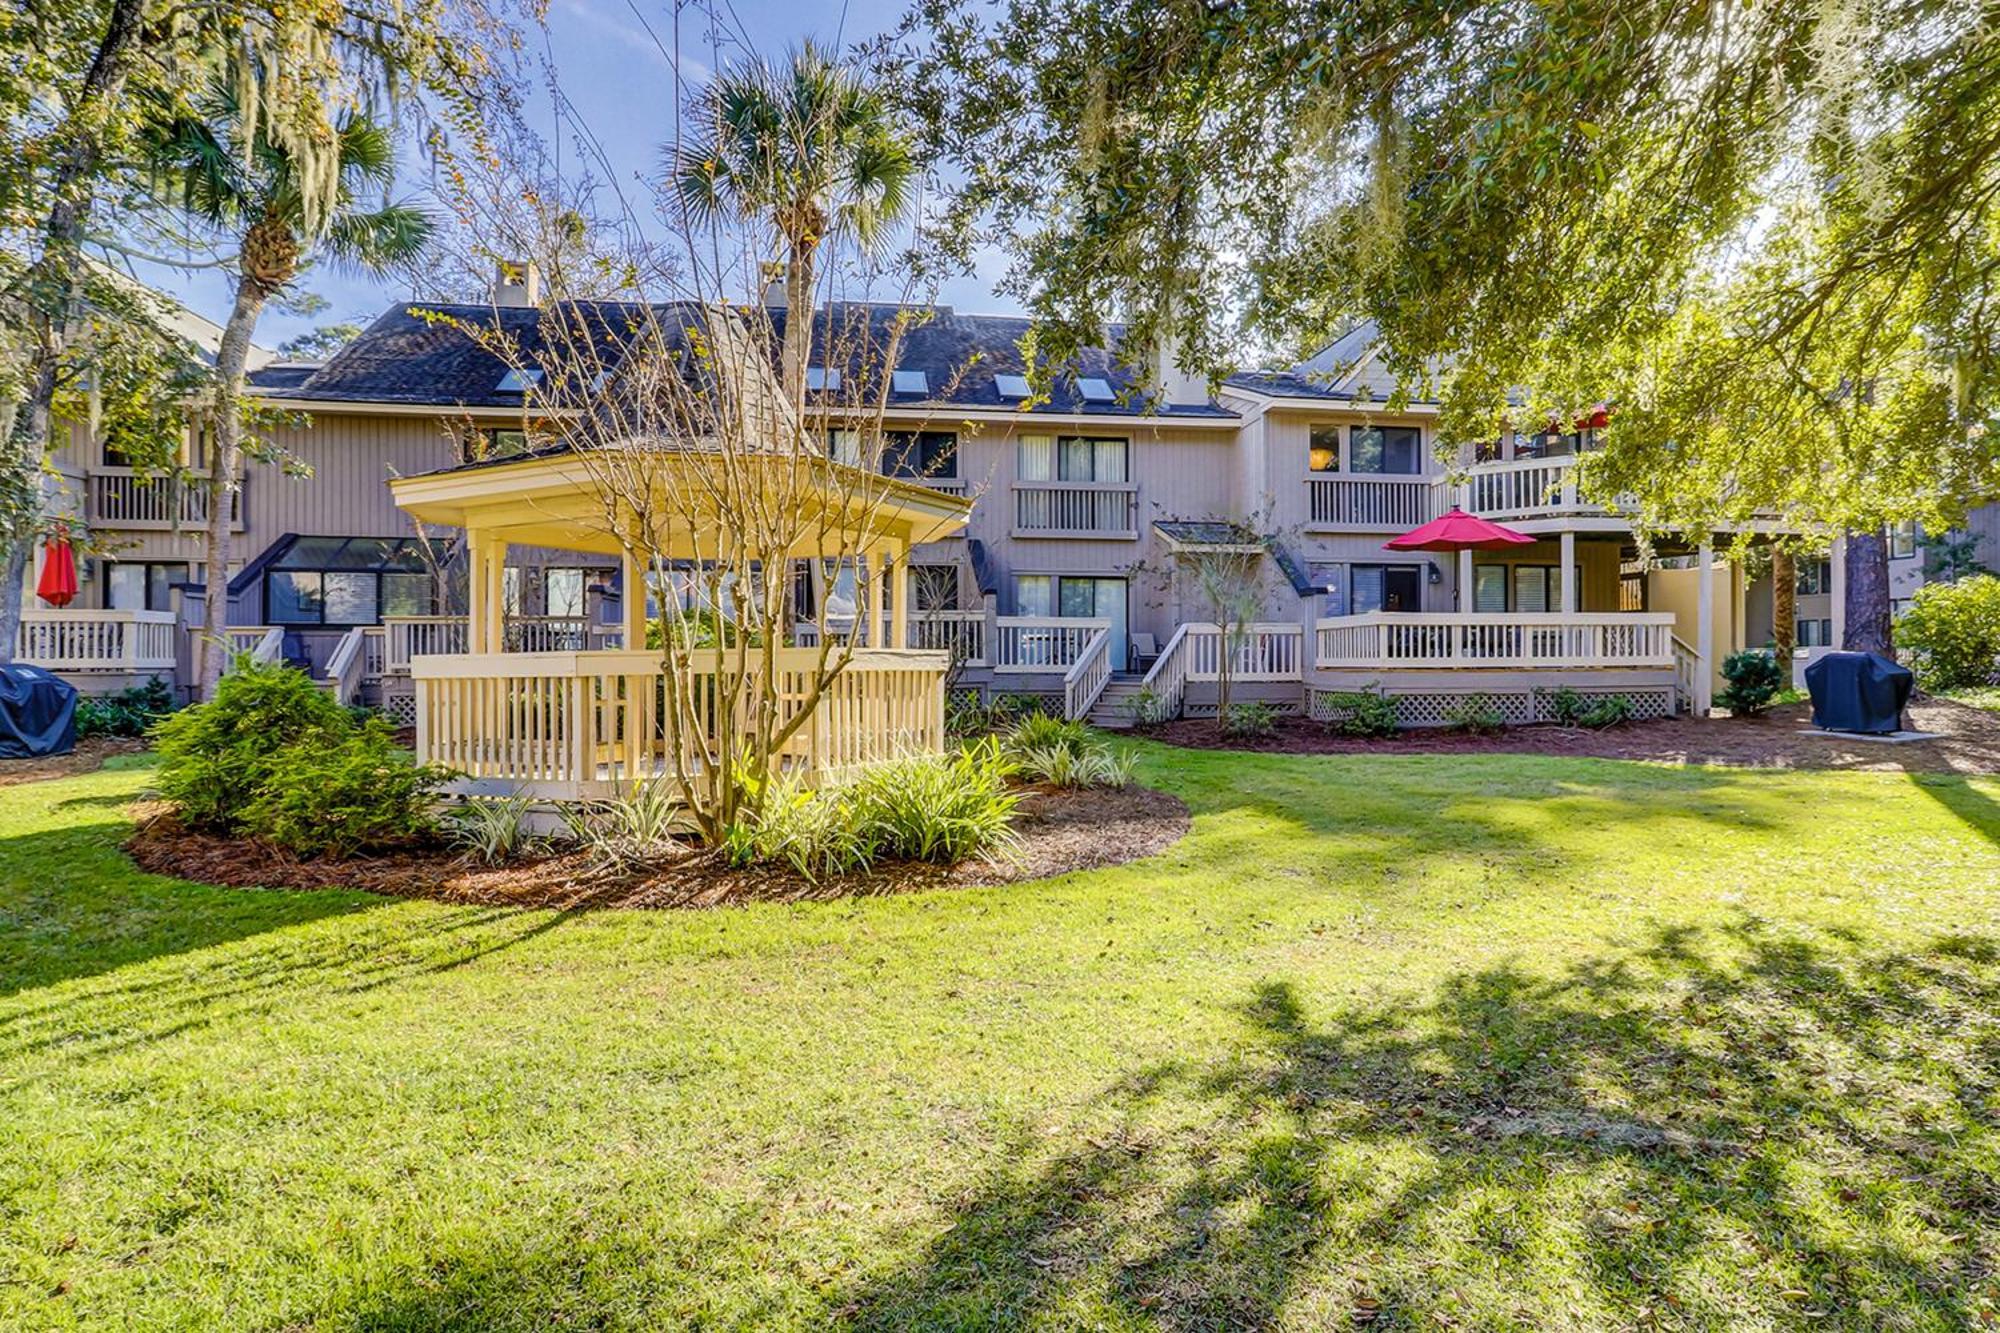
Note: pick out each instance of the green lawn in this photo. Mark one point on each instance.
(1452, 1042)
(1984, 696)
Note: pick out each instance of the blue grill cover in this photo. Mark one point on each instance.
(1862, 692)
(37, 712)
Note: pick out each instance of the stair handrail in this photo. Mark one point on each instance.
(1167, 677)
(343, 669)
(1687, 663)
(1087, 676)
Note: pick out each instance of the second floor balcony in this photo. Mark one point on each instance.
(1076, 509)
(123, 497)
(1518, 490)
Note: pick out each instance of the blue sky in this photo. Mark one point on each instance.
(620, 83)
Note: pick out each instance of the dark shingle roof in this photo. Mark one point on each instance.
(961, 354)
(426, 353)
(435, 353)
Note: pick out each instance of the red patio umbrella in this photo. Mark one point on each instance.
(1459, 531)
(57, 585)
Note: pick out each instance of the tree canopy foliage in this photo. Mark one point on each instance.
(1767, 234)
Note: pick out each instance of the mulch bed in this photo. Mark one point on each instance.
(88, 756)
(1059, 832)
(1968, 741)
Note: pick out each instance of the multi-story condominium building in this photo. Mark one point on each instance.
(1071, 579)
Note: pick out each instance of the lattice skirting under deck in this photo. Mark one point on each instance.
(1433, 708)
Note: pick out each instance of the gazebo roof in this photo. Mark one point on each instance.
(564, 500)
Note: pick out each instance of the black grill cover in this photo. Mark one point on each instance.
(1858, 692)
(37, 712)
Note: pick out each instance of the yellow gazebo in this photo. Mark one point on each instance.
(568, 725)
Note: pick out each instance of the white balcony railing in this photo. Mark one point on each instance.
(1528, 488)
(82, 640)
(121, 497)
(1374, 504)
(1042, 643)
(1385, 639)
(1072, 509)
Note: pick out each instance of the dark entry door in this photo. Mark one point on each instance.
(1402, 589)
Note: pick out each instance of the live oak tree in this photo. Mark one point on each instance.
(1767, 234)
(88, 79)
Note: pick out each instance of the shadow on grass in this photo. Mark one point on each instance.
(1979, 811)
(1718, 1128)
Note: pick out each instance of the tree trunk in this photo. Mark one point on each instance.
(797, 345)
(1867, 629)
(225, 482)
(1784, 608)
(52, 286)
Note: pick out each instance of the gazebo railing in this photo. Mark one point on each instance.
(588, 724)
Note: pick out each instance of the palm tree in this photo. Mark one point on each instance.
(282, 208)
(808, 147)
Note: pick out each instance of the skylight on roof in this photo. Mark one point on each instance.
(518, 381)
(820, 378)
(909, 381)
(1011, 386)
(1095, 390)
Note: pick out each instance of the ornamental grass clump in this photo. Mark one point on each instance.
(936, 808)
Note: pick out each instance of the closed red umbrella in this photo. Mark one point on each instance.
(1459, 531)
(57, 586)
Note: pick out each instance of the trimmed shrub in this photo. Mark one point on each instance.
(1475, 715)
(1951, 633)
(216, 757)
(335, 797)
(1572, 708)
(1367, 713)
(1250, 721)
(127, 713)
(1609, 711)
(1754, 678)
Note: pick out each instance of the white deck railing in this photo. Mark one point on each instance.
(419, 636)
(1527, 488)
(1042, 643)
(122, 497)
(1271, 651)
(1373, 503)
(960, 633)
(264, 643)
(583, 724)
(82, 640)
(1062, 508)
(1463, 640)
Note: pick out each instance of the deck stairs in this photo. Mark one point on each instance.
(1113, 710)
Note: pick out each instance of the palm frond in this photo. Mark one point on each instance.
(373, 243)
